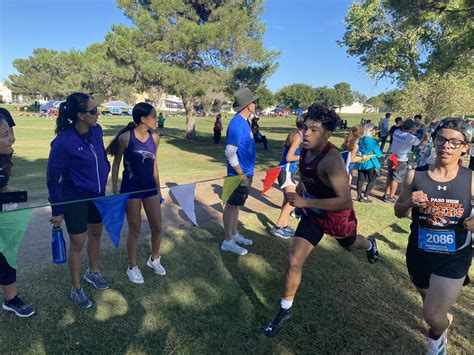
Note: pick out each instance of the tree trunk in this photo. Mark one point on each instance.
(190, 120)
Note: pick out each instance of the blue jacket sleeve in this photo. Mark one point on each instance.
(375, 148)
(56, 164)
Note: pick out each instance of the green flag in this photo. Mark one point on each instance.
(230, 184)
(12, 230)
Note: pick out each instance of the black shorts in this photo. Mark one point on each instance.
(286, 178)
(313, 233)
(79, 214)
(7, 273)
(240, 194)
(421, 265)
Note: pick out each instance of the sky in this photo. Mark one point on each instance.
(305, 31)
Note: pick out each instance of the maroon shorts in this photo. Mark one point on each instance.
(339, 224)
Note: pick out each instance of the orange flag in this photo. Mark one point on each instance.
(270, 177)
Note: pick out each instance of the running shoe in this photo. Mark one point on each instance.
(232, 247)
(296, 213)
(274, 327)
(238, 238)
(96, 279)
(17, 306)
(135, 275)
(290, 230)
(372, 253)
(280, 232)
(437, 347)
(156, 266)
(80, 299)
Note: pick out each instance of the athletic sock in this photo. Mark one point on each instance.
(371, 245)
(286, 304)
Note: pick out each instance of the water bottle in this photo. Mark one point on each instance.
(58, 246)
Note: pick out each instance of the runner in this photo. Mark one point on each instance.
(161, 124)
(138, 145)
(286, 178)
(439, 250)
(327, 205)
(78, 169)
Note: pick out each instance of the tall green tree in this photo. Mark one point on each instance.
(406, 39)
(265, 97)
(343, 94)
(173, 43)
(326, 96)
(295, 96)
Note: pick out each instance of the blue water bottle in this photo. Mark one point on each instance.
(58, 246)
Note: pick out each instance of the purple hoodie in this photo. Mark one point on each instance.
(77, 168)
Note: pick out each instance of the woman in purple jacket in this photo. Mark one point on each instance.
(138, 145)
(78, 169)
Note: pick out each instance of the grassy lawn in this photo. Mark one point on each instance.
(210, 302)
(180, 160)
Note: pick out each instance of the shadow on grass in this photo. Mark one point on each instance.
(215, 302)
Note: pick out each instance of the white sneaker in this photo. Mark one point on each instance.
(135, 275)
(231, 246)
(241, 240)
(280, 232)
(156, 266)
(289, 230)
(437, 347)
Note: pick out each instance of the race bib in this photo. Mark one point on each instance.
(437, 241)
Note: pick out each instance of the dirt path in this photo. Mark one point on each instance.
(36, 244)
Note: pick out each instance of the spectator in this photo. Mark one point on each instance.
(161, 124)
(257, 135)
(384, 131)
(403, 141)
(368, 169)
(217, 129)
(351, 144)
(419, 127)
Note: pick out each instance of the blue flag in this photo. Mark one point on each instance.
(112, 209)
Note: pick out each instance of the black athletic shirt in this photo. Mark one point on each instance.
(449, 204)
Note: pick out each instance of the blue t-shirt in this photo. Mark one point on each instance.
(240, 135)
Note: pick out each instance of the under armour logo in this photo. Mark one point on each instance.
(80, 149)
(442, 188)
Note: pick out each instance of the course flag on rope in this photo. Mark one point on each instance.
(270, 177)
(230, 184)
(112, 209)
(13, 226)
(184, 194)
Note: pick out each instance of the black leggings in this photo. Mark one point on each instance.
(366, 175)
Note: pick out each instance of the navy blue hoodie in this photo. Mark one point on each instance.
(77, 168)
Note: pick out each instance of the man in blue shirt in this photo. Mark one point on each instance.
(240, 153)
(384, 131)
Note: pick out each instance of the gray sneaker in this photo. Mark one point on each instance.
(289, 230)
(96, 279)
(280, 232)
(80, 299)
(231, 246)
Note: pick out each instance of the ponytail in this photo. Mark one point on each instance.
(62, 121)
(112, 148)
(68, 110)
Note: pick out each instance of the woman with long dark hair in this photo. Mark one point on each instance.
(78, 169)
(286, 178)
(351, 144)
(138, 145)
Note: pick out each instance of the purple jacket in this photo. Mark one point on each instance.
(77, 169)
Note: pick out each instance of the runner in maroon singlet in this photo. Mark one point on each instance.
(325, 196)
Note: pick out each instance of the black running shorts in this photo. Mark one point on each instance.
(421, 265)
(7, 273)
(240, 194)
(78, 215)
(313, 233)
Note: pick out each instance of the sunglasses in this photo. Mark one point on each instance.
(452, 142)
(94, 111)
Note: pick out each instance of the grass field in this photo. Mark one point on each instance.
(210, 302)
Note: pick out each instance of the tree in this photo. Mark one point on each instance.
(173, 43)
(295, 96)
(343, 94)
(265, 97)
(326, 96)
(406, 39)
(389, 101)
(359, 97)
(53, 74)
(437, 96)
